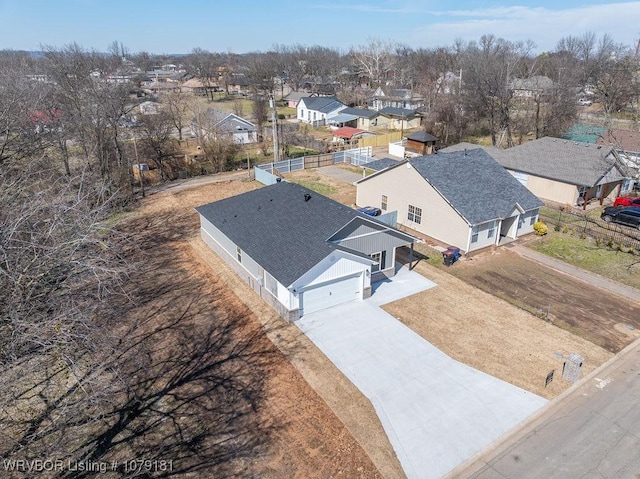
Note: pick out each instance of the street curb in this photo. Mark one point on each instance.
(493, 450)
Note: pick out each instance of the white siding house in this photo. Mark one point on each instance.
(300, 251)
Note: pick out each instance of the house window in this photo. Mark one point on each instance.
(492, 230)
(533, 219)
(414, 214)
(474, 234)
(380, 258)
(239, 254)
(383, 203)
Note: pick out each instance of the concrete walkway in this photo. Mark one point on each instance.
(340, 174)
(436, 411)
(578, 273)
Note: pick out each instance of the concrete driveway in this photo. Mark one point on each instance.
(436, 411)
(340, 174)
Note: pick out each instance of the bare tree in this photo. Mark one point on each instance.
(156, 139)
(374, 60)
(177, 106)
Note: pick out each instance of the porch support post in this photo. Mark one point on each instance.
(411, 257)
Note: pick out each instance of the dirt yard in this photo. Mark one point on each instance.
(311, 440)
(489, 334)
(592, 313)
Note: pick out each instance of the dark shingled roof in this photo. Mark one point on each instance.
(397, 112)
(475, 184)
(361, 112)
(383, 163)
(324, 104)
(284, 233)
(421, 136)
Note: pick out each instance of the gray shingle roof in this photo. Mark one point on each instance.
(397, 112)
(360, 112)
(322, 104)
(581, 164)
(284, 233)
(381, 164)
(475, 184)
(421, 136)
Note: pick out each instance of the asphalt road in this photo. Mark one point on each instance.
(592, 432)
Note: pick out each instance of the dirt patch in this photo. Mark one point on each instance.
(310, 440)
(564, 301)
(490, 334)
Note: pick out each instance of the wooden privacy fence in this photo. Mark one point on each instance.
(380, 140)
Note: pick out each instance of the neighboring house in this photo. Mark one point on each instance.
(398, 118)
(626, 143)
(421, 142)
(357, 118)
(532, 88)
(300, 251)
(396, 98)
(149, 108)
(566, 172)
(216, 122)
(317, 110)
(294, 98)
(465, 199)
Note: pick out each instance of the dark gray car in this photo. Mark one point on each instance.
(629, 216)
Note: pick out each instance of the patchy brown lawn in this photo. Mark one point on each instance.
(490, 334)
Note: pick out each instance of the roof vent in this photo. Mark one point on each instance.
(307, 196)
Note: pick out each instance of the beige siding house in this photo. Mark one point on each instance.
(464, 199)
(563, 171)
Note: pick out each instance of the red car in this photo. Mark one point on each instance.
(627, 201)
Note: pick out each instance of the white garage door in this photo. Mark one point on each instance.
(331, 294)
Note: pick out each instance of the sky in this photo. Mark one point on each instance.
(179, 26)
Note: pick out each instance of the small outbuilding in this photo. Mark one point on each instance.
(421, 142)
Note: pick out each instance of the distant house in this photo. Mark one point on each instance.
(396, 98)
(299, 250)
(534, 87)
(317, 110)
(626, 143)
(294, 98)
(563, 171)
(148, 108)
(357, 118)
(464, 199)
(216, 122)
(398, 118)
(448, 83)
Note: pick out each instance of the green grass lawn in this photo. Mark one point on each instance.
(585, 253)
(316, 186)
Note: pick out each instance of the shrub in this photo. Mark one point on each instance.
(540, 228)
(583, 235)
(611, 243)
(565, 229)
(631, 251)
(598, 241)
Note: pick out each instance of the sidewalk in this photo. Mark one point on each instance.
(579, 273)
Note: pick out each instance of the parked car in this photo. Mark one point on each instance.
(627, 201)
(370, 210)
(628, 215)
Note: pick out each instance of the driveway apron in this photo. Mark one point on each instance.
(437, 412)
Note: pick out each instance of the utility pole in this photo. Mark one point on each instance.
(135, 148)
(274, 127)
